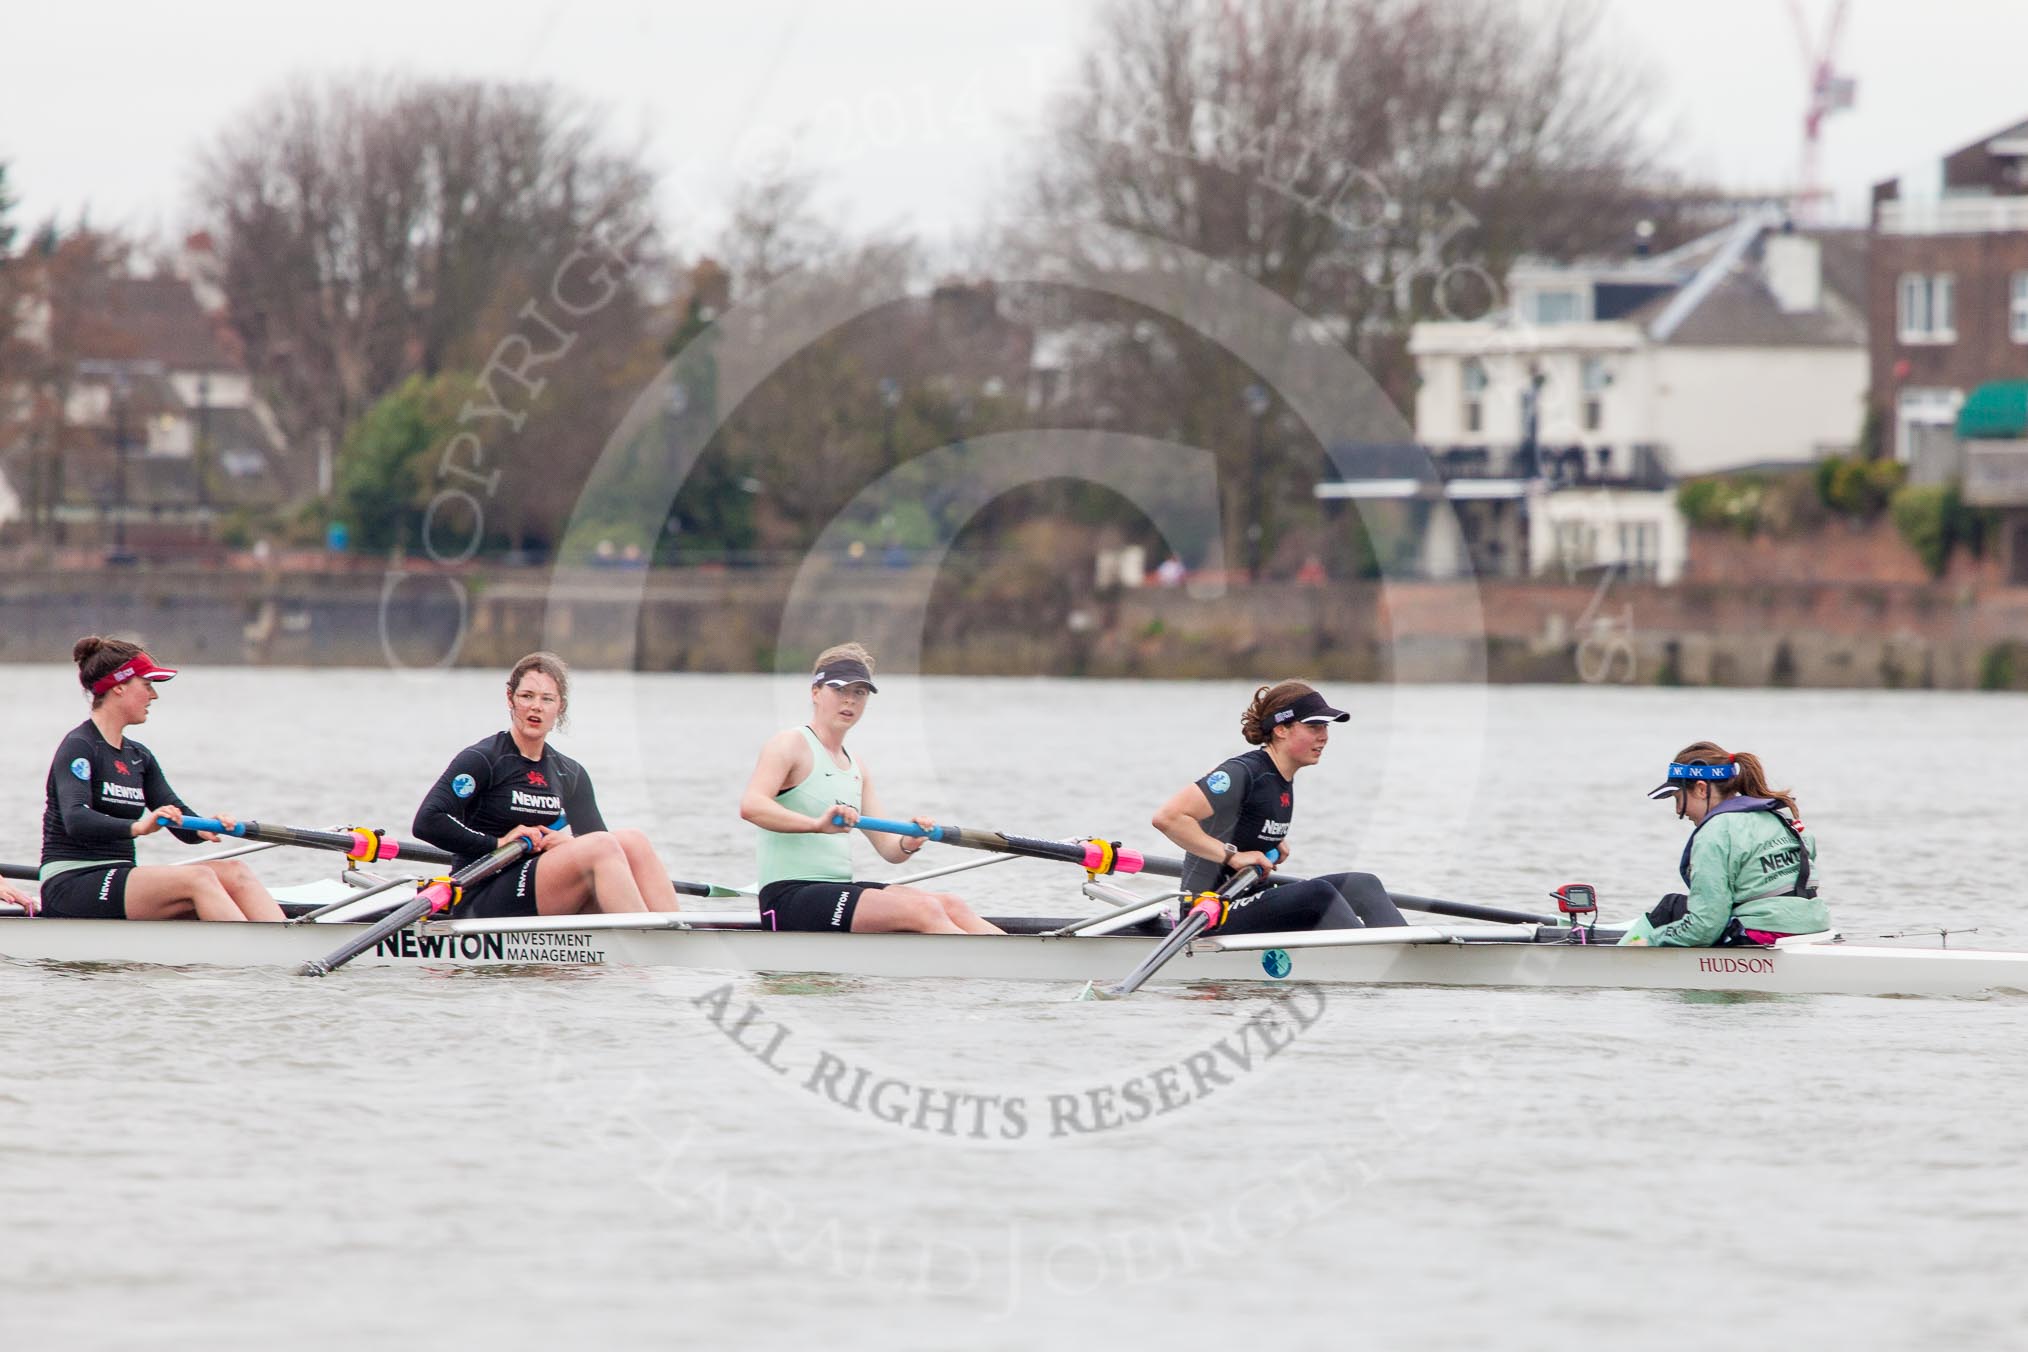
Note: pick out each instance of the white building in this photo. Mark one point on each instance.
(1743, 349)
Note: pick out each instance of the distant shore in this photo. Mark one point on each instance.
(1955, 634)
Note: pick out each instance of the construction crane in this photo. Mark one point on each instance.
(1830, 92)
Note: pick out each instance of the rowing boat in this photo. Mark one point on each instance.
(1495, 956)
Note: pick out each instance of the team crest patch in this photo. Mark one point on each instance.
(81, 768)
(463, 786)
(1219, 781)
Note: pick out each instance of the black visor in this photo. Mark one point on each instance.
(845, 671)
(1311, 708)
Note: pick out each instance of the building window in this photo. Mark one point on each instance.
(1923, 415)
(1576, 544)
(1475, 395)
(1596, 378)
(2020, 309)
(1928, 307)
(1556, 307)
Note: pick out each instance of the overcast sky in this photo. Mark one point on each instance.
(921, 113)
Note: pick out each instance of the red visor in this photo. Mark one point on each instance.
(140, 665)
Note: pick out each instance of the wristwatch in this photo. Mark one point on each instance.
(1230, 850)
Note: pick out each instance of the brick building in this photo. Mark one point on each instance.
(1947, 294)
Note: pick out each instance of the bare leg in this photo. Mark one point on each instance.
(902, 910)
(964, 917)
(588, 873)
(177, 891)
(255, 902)
(649, 875)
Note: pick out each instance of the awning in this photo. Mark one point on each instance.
(1996, 411)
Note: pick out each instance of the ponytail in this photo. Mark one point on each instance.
(1750, 778)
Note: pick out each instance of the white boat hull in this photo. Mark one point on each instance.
(1809, 969)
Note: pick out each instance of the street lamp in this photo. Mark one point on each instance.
(1256, 397)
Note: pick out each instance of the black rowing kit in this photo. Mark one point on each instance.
(95, 793)
(486, 791)
(1252, 806)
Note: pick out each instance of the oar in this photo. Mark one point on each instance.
(433, 896)
(362, 845)
(26, 873)
(1471, 911)
(1093, 856)
(1200, 918)
(358, 842)
(1464, 910)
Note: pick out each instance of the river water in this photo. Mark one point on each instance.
(231, 1158)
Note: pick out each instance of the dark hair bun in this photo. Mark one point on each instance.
(86, 648)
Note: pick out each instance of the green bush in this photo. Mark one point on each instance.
(1857, 487)
(1928, 519)
(1996, 667)
(1723, 502)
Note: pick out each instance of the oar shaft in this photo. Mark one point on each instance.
(1088, 855)
(26, 873)
(427, 899)
(361, 844)
(1193, 925)
(1465, 910)
(357, 842)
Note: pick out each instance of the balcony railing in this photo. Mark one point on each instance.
(1955, 216)
(1996, 474)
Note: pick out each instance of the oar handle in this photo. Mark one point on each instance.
(893, 828)
(26, 873)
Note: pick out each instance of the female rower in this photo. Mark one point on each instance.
(514, 785)
(1230, 818)
(105, 790)
(1747, 863)
(806, 795)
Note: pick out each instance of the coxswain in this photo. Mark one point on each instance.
(1749, 863)
(1236, 814)
(514, 785)
(806, 795)
(105, 790)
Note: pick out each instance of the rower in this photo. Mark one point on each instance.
(1229, 820)
(806, 795)
(105, 790)
(1748, 862)
(514, 785)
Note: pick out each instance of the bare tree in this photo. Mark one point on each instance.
(1373, 162)
(367, 230)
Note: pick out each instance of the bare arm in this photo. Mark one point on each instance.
(1182, 820)
(894, 849)
(784, 761)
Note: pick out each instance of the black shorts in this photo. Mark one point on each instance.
(511, 891)
(791, 905)
(87, 894)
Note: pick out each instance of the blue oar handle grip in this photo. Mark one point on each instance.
(894, 828)
(211, 824)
